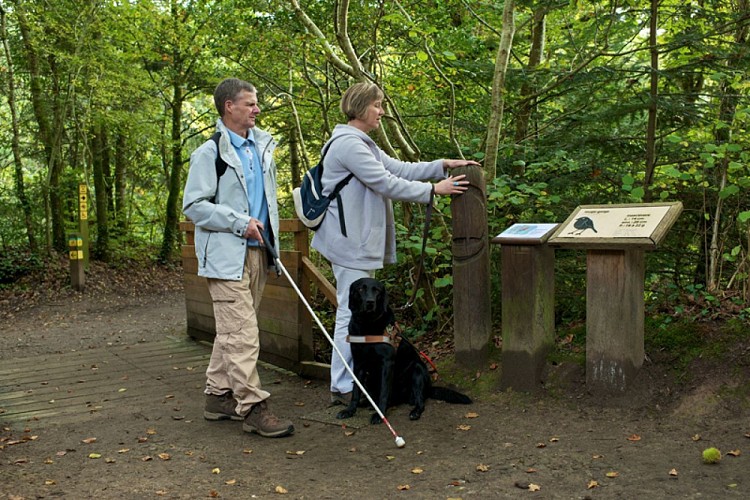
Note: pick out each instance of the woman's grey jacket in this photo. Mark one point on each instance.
(368, 213)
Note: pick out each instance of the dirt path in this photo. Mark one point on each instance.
(560, 444)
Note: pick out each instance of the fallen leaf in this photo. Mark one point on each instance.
(123, 450)
(596, 457)
(612, 474)
(696, 437)
(530, 470)
(215, 470)
(50, 482)
(734, 453)
(146, 458)
(299, 403)
(95, 455)
(142, 439)
(231, 482)
(122, 389)
(164, 456)
(213, 494)
(110, 460)
(472, 414)
(281, 490)
(534, 487)
(161, 493)
(390, 457)
(246, 451)
(541, 445)
(61, 453)
(49, 461)
(417, 470)
(403, 487)
(151, 432)
(592, 484)
(463, 427)
(673, 472)
(89, 440)
(483, 468)
(349, 433)
(554, 440)
(634, 437)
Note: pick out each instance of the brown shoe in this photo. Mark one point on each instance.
(221, 407)
(261, 421)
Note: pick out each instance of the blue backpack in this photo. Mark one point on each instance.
(310, 204)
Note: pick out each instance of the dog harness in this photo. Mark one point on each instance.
(391, 335)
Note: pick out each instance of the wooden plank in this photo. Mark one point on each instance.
(278, 327)
(312, 273)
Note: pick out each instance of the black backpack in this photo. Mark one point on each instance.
(310, 204)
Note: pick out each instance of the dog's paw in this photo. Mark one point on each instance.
(415, 414)
(347, 413)
(375, 419)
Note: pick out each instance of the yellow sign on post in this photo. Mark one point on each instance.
(75, 252)
(83, 222)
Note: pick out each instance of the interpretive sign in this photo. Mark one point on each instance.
(641, 225)
(525, 234)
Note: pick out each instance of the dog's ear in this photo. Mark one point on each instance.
(355, 298)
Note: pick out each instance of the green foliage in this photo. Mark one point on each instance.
(16, 263)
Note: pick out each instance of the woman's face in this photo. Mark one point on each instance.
(371, 118)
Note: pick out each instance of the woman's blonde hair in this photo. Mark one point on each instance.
(358, 97)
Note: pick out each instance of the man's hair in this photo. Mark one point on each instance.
(358, 97)
(228, 90)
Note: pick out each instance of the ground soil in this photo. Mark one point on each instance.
(558, 443)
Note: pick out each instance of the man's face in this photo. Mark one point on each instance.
(240, 113)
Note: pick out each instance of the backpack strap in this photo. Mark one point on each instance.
(335, 194)
(219, 163)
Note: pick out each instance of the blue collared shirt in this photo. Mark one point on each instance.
(252, 167)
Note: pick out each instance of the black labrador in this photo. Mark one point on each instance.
(391, 376)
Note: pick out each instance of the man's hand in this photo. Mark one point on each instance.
(254, 230)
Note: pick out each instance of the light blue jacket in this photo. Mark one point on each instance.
(221, 222)
(371, 233)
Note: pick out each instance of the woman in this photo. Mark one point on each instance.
(370, 238)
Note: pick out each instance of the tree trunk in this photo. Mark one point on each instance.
(652, 104)
(536, 52)
(171, 225)
(495, 121)
(23, 200)
(121, 170)
(101, 248)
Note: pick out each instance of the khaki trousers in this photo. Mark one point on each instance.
(234, 358)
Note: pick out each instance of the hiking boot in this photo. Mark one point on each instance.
(338, 398)
(261, 421)
(221, 407)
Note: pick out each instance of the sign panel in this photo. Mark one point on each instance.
(525, 234)
(617, 226)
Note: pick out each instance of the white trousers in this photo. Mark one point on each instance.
(341, 380)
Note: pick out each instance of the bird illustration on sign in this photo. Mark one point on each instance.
(581, 224)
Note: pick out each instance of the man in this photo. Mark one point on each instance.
(235, 216)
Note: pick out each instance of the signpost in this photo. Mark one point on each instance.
(615, 238)
(83, 220)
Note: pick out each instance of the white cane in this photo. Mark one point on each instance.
(399, 440)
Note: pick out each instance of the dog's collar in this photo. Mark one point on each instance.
(391, 335)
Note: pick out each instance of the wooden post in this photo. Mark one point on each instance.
(75, 254)
(528, 307)
(614, 318)
(472, 322)
(83, 220)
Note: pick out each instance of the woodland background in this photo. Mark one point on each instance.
(564, 102)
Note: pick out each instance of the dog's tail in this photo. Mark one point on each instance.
(449, 396)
